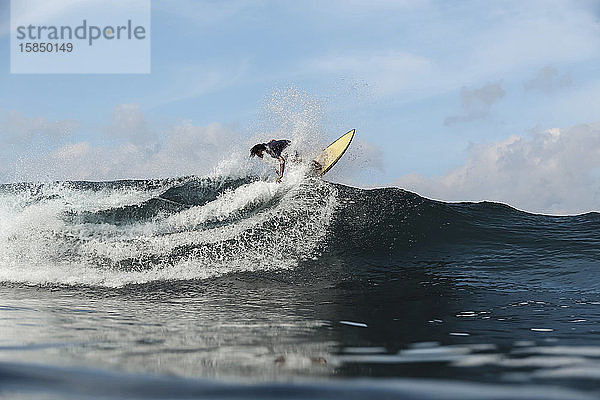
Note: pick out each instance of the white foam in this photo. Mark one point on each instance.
(257, 226)
(39, 246)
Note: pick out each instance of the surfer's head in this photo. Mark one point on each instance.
(257, 150)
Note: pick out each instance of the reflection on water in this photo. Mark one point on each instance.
(216, 333)
(287, 326)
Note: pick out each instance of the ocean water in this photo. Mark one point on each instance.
(236, 287)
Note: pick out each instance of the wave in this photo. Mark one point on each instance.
(130, 232)
(118, 233)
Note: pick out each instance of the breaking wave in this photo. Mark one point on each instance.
(130, 232)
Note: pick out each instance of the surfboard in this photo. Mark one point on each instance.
(332, 153)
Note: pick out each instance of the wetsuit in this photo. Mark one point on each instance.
(275, 147)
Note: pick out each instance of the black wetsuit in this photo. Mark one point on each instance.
(275, 147)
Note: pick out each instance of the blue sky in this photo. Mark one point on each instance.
(427, 84)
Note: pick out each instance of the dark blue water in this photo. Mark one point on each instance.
(239, 288)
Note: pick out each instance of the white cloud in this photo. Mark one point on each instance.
(128, 123)
(184, 149)
(18, 129)
(134, 149)
(133, 146)
(72, 151)
(476, 103)
(555, 171)
(547, 80)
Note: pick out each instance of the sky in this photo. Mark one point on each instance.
(462, 100)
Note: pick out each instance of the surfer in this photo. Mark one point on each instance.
(274, 149)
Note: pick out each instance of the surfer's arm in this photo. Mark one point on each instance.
(281, 169)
